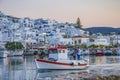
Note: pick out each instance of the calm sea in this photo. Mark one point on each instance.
(24, 68)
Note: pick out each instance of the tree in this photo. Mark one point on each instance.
(64, 36)
(78, 23)
(13, 45)
(93, 46)
(83, 46)
(91, 33)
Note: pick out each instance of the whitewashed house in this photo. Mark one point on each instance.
(83, 32)
(54, 37)
(27, 30)
(1, 41)
(66, 41)
(26, 22)
(102, 40)
(2, 14)
(78, 40)
(116, 39)
(4, 26)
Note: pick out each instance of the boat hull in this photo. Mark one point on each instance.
(46, 64)
(16, 53)
(3, 54)
(99, 53)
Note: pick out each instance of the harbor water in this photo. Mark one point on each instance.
(24, 68)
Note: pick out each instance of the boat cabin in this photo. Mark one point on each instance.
(58, 53)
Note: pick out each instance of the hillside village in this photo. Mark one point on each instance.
(40, 32)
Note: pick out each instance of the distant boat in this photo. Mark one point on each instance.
(16, 53)
(99, 53)
(108, 52)
(58, 59)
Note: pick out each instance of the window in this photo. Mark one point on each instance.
(91, 40)
(63, 51)
(79, 41)
(59, 51)
(68, 42)
(37, 35)
(75, 42)
(55, 51)
(72, 42)
(50, 52)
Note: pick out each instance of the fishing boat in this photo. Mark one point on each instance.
(99, 52)
(58, 59)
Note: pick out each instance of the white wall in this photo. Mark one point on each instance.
(66, 41)
(101, 41)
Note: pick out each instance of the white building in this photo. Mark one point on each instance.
(66, 41)
(27, 30)
(1, 41)
(102, 40)
(116, 39)
(78, 40)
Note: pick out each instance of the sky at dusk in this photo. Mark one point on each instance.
(91, 12)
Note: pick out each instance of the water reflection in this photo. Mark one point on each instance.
(113, 59)
(15, 63)
(98, 60)
(18, 68)
(24, 68)
(52, 74)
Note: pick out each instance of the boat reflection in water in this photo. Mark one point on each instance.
(52, 74)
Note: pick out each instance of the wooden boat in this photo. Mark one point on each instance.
(58, 59)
